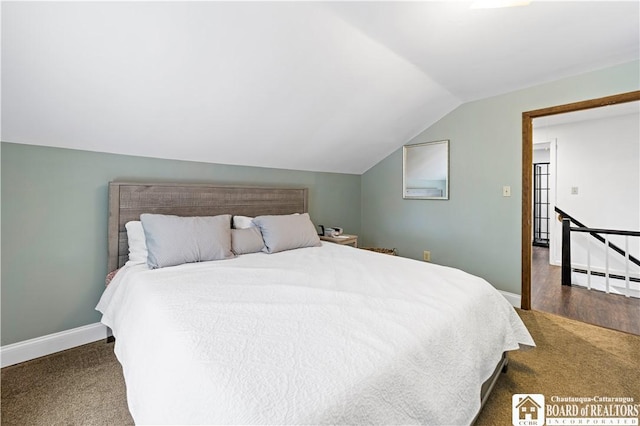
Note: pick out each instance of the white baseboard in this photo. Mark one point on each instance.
(514, 299)
(601, 269)
(46, 345)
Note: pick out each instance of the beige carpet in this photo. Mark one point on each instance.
(84, 386)
(571, 359)
(80, 386)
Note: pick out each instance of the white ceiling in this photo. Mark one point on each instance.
(326, 86)
(606, 111)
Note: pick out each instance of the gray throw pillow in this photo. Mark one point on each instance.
(287, 232)
(174, 240)
(246, 240)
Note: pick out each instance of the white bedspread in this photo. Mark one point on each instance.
(323, 335)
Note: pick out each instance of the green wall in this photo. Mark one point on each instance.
(54, 225)
(54, 205)
(477, 230)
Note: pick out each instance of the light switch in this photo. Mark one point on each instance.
(506, 191)
(574, 190)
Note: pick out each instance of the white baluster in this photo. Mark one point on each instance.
(588, 260)
(606, 259)
(626, 265)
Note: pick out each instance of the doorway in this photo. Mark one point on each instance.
(527, 175)
(538, 265)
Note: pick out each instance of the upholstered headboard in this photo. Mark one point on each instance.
(127, 201)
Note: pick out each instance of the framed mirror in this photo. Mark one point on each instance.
(425, 171)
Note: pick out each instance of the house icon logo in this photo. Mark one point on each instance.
(527, 409)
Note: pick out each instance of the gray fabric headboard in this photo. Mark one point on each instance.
(127, 201)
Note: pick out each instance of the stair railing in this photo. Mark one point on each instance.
(595, 232)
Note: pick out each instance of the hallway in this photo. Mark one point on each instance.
(590, 306)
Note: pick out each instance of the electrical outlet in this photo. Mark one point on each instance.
(426, 255)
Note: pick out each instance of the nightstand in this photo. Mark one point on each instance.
(344, 240)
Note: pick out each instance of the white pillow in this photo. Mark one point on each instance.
(243, 222)
(287, 232)
(137, 243)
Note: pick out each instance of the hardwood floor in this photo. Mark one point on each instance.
(590, 306)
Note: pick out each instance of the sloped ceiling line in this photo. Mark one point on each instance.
(320, 86)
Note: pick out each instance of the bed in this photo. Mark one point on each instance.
(324, 334)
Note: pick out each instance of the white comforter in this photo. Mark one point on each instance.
(323, 335)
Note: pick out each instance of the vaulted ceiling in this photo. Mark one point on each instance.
(325, 86)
